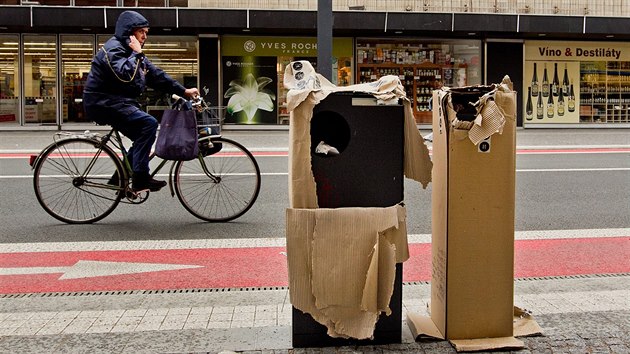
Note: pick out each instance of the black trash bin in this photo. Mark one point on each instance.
(367, 172)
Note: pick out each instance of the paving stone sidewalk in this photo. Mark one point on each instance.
(588, 314)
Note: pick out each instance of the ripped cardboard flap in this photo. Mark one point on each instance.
(524, 325)
(493, 110)
(484, 344)
(342, 265)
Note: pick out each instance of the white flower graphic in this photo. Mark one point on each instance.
(249, 96)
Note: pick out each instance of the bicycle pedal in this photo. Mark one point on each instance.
(140, 191)
(133, 195)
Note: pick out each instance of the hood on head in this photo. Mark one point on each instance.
(126, 22)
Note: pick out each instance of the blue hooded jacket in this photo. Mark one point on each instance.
(119, 75)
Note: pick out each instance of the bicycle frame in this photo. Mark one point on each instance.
(118, 144)
(116, 139)
(214, 178)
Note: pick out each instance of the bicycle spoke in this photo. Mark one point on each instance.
(229, 193)
(71, 177)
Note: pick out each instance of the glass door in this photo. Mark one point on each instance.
(9, 80)
(76, 57)
(40, 79)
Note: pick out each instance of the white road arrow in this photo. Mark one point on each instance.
(90, 269)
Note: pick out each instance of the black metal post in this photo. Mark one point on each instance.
(324, 38)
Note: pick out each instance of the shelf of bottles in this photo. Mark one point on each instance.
(593, 92)
(427, 80)
(419, 82)
(605, 92)
(618, 91)
(547, 98)
(420, 69)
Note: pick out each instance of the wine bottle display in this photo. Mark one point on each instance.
(535, 82)
(571, 100)
(550, 107)
(560, 103)
(545, 82)
(565, 81)
(529, 107)
(539, 108)
(555, 85)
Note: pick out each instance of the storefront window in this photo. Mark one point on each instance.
(144, 3)
(576, 82)
(177, 56)
(178, 3)
(95, 2)
(422, 65)
(53, 2)
(40, 79)
(76, 56)
(9, 79)
(253, 73)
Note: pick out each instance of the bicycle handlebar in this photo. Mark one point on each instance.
(196, 102)
(196, 99)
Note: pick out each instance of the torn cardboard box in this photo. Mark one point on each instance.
(342, 265)
(342, 262)
(473, 197)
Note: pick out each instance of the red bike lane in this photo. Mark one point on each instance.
(169, 269)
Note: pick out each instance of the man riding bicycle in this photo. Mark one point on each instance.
(120, 72)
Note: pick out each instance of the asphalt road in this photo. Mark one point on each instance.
(555, 191)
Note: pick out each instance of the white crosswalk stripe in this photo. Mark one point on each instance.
(270, 242)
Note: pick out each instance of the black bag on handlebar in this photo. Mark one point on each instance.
(178, 135)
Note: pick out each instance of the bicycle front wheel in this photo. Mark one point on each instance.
(219, 187)
(74, 180)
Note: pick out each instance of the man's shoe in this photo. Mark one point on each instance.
(143, 182)
(114, 180)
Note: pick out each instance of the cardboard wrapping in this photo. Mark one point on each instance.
(304, 94)
(342, 262)
(524, 325)
(473, 198)
(475, 345)
(342, 265)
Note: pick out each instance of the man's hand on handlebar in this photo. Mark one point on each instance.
(191, 92)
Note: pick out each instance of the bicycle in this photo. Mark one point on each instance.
(74, 176)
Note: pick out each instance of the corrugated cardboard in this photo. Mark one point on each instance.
(473, 227)
(524, 324)
(475, 345)
(342, 262)
(342, 265)
(423, 328)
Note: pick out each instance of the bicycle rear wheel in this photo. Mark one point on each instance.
(72, 180)
(219, 187)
